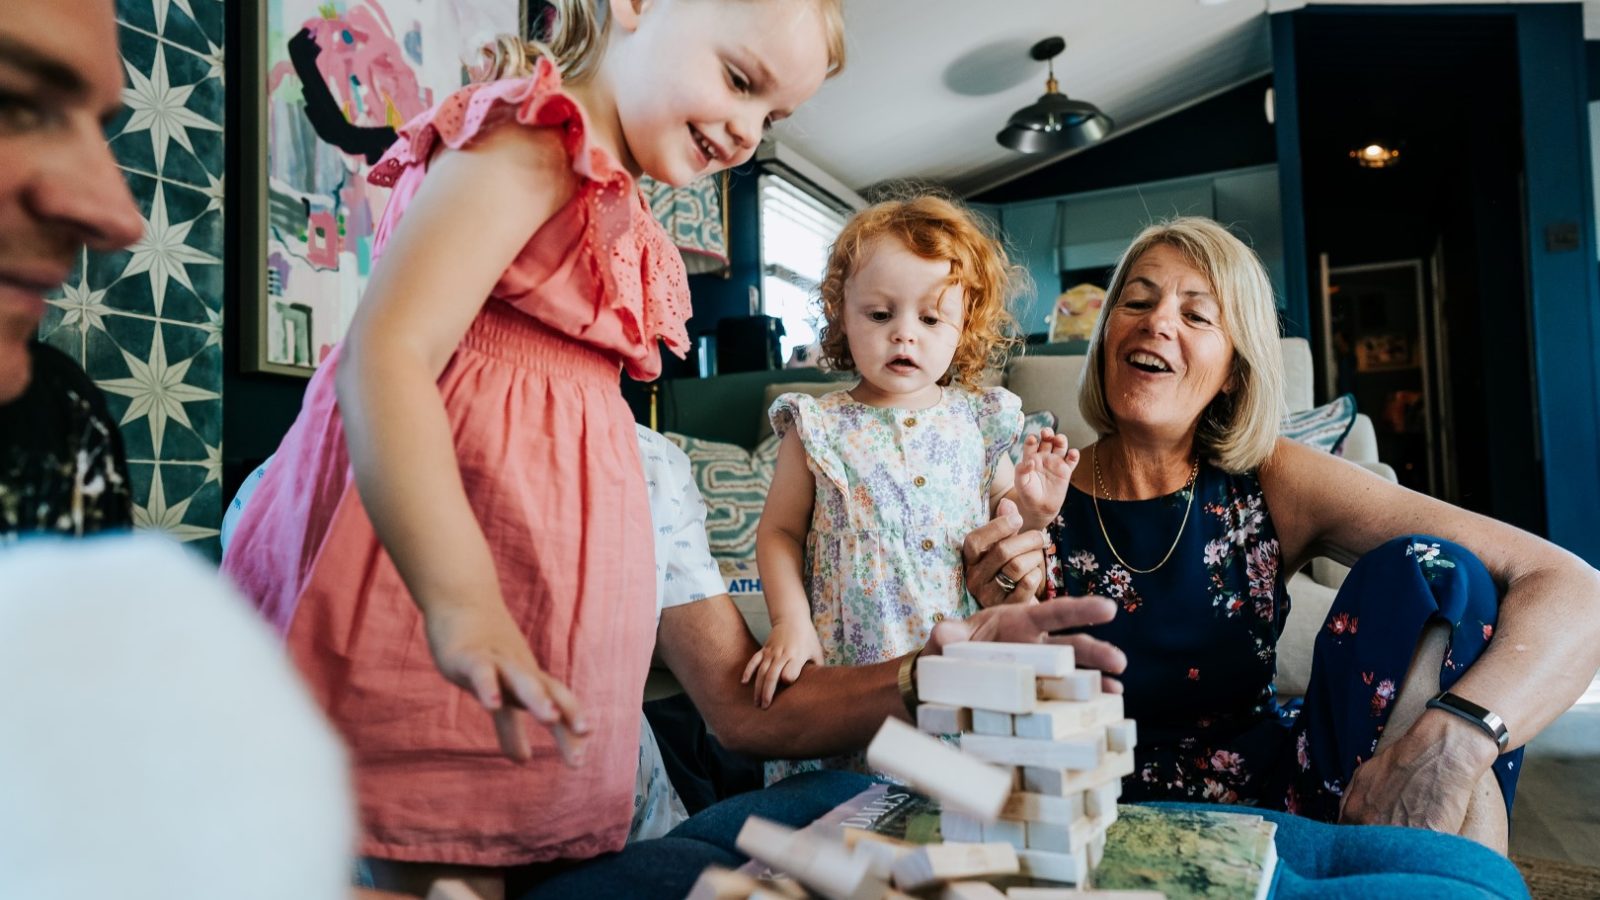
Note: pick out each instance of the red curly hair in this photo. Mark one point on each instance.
(934, 228)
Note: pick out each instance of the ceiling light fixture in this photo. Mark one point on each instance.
(1376, 155)
(1055, 122)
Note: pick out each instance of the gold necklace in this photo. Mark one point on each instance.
(1194, 471)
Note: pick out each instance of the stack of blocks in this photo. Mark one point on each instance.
(1031, 791)
(1059, 747)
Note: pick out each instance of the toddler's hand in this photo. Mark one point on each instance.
(1042, 477)
(479, 649)
(789, 647)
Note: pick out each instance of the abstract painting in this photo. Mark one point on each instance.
(337, 81)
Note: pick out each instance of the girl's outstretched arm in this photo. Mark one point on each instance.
(474, 212)
(780, 557)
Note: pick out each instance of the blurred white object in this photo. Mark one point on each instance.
(156, 741)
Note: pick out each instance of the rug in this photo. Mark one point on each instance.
(1551, 880)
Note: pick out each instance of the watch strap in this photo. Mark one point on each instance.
(1491, 724)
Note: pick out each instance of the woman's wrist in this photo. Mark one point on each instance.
(1462, 746)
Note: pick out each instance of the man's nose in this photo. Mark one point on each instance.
(81, 191)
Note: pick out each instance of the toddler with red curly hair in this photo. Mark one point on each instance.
(859, 545)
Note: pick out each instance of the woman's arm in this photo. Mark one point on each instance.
(1546, 646)
(475, 211)
(780, 558)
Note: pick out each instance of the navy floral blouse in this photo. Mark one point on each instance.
(1199, 632)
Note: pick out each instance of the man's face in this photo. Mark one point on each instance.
(60, 190)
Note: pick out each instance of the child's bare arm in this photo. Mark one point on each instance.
(1038, 484)
(780, 557)
(457, 237)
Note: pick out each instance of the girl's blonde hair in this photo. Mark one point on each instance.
(574, 37)
(934, 228)
(1240, 426)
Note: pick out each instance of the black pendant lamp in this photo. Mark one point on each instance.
(1056, 122)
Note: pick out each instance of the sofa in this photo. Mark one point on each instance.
(726, 415)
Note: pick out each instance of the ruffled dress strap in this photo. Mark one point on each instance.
(637, 271)
(999, 414)
(804, 414)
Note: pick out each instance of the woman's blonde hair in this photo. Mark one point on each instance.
(573, 35)
(935, 228)
(1240, 426)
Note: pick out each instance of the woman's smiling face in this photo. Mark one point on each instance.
(1167, 353)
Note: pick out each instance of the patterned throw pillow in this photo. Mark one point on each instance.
(1032, 423)
(1323, 427)
(734, 483)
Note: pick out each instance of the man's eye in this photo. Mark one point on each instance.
(20, 113)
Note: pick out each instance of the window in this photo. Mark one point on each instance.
(797, 229)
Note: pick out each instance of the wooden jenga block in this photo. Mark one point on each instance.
(1046, 660)
(970, 890)
(451, 889)
(1031, 807)
(1101, 800)
(960, 828)
(987, 721)
(957, 780)
(1069, 868)
(1097, 850)
(1078, 752)
(1006, 687)
(1054, 837)
(940, 718)
(1053, 719)
(717, 883)
(1006, 831)
(826, 867)
(1079, 684)
(880, 849)
(1062, 782)
(933, 863)
(1121, 736)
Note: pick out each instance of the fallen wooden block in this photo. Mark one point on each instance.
(932, 863)
(1006, 831)
(1005, 687)
(826, 867)
(957, 780)
(1062, 782)
(1031, 807)
(1082, 751)
(1069, 868)
(717, 883)
(1079, 684)
(1053, 719)
(970, 890)
(1121, 736)
(1046, 660)
(940, 718)
(451, 889)
(1037, 893)
(988, 721)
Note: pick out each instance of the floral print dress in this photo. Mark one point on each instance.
(1200, 633)
(897, 490)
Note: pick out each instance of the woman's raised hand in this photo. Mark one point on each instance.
(478, 648)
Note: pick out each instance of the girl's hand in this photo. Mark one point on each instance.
(789, 647)
(1042, 477)
(478, 648)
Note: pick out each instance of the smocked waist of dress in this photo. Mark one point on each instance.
(507, 334)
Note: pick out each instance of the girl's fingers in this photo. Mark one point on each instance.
(570, 744)
(485, 684)
(750, 667)
(529, 692)
(511, 728)
(567, 703)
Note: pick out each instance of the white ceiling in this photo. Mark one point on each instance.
(929, 82)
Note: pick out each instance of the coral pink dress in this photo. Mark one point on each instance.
(551, 468)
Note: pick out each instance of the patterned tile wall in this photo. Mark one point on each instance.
(146, 322)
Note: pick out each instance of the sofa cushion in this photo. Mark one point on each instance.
(734, 483)
(1323, 427)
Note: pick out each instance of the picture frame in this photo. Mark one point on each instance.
(307, 213)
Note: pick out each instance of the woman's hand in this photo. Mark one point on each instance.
(1032, 623)
(1000, 547)
(1425, 779)
(479, 649)
(790, 645)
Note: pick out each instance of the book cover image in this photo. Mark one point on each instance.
(1184, 853)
